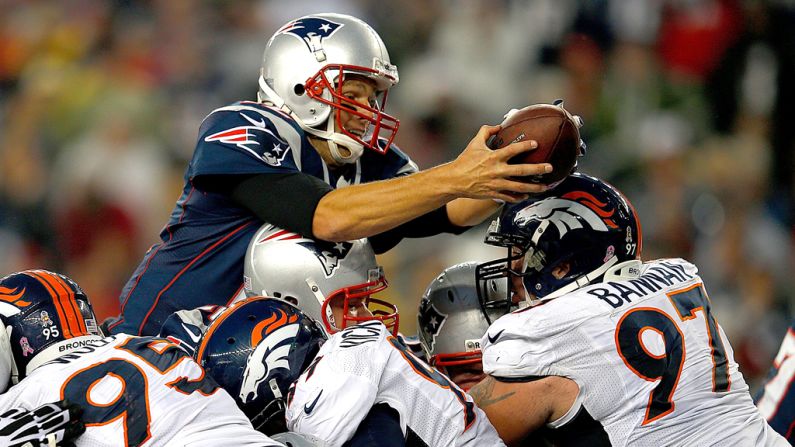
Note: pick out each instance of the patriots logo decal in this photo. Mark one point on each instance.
(329, 254)
(311, 30)
(272, 338)
(568, 212)
(247, 138)
(431, 320)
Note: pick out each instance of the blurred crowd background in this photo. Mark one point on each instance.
(689, 108)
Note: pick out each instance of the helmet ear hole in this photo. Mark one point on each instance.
(299, 89)
(450, 296)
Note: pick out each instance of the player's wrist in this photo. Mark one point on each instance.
(444, 182)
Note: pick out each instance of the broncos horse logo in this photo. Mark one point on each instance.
(568, 212)
(271, 339)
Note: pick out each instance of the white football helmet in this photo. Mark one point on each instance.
(303, 67)
(310, 274)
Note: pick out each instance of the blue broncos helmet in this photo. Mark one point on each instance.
(42, 315)
(255, 350)
(583, 221)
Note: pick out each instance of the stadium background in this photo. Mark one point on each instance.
(688, 108)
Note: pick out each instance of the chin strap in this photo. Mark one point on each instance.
(320, 300)
(334, 139)
(267, 94)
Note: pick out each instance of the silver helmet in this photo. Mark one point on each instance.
(310, 274)
(303, 68)
(451, 318)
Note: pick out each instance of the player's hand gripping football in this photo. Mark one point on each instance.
(49, 425)
(481, 173)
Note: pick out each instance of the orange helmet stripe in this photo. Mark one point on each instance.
(62, 296)
(71, 301)
(65, 327)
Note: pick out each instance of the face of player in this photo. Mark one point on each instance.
(518, 265)
(465, 376)
(361, 90)
(517, 285)
(356, 308)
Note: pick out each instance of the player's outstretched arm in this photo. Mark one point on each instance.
(541, 400)
(49, 425)
(478, 173)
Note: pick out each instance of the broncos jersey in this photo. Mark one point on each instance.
(138, 391)
(777, 399)
(203, 245)
(653, 366)
(365, 365)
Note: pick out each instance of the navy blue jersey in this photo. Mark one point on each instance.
(200, 259)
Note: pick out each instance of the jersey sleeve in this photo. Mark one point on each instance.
(245, 139)
(515, 347)
(336, 393)
(330, 403)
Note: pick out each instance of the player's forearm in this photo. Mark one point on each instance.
(469, 212)
(364, 210)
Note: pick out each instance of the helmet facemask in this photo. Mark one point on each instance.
(487, 274)
(326, 86)
(271, 419)
(381, 310)
(456, 358)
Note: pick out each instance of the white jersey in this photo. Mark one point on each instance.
(365, 365)
(138, 391)
(653, 366)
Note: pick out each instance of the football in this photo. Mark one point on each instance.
(556, 131)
